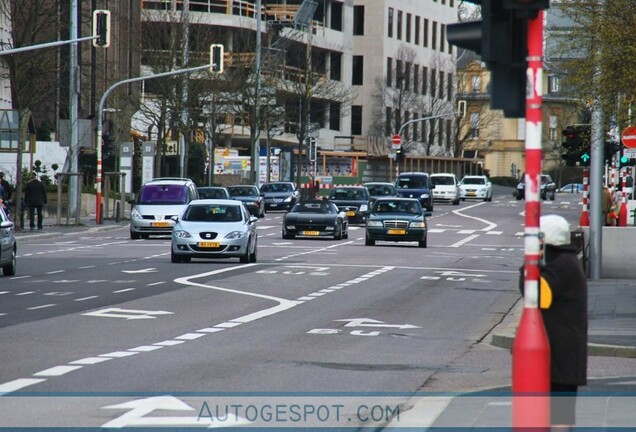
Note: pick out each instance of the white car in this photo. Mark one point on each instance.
(446, 188)
(476, 187)
(214, 228)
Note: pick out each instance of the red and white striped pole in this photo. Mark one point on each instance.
(622, 213)
(530, 350)
(584, 221)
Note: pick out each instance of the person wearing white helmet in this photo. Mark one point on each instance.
(563, 305)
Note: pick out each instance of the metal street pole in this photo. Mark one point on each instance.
(185, 115)
(257, 91)
(73, 90)
(100, 115)
(530, 350)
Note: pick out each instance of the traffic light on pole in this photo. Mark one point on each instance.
(501, 40)
(101, 28)
(216, 58)
(399, 154)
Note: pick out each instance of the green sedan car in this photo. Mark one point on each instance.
(397, 220)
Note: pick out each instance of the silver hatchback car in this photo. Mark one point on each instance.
(8, 245)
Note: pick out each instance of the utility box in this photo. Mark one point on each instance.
(577, 239)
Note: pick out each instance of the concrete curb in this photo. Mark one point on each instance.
(503, 336)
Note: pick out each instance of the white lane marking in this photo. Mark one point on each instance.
(57, 371)
(41, 306)
(119, 354)
(210, 330)
(85, 298)
(86, 267)
(464, 240)
(190, 336)
(128, 314)
(306, 298)
(25, 293)
(146, 270)
(495, 232)
(490, 225)
(54, 272)
(145, 348)
(58, 293)
(155, 283)
(18, 384)
(90, 360)
(4, 292)
(228, 324)
(316, 294)
(466, 231)
(169, 343)
(123, 290)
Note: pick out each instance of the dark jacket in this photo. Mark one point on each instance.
(566, 319)
(35, 193)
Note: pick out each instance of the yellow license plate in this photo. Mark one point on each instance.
(209, 244)
(351, 213)
(471, 193)
(311, 233)
(397, 232)
(163, 224)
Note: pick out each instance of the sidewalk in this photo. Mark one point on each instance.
(611, 316)
(50, 226)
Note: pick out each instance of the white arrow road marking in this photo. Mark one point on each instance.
(128, 314)
(367, 322)
(140, 408)
(456, 273)
(146, 270)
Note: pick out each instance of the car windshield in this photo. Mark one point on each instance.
(379, 190)
(163, 194)
(242, 191)
(474, 181)
(412, 182)
(546, 179)
(212, 213)
(443, 180)
(314, 207)
(276, 187)
(397, 206)
(212, 193)
(349, 194)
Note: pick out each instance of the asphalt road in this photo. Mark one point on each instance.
(99, 330)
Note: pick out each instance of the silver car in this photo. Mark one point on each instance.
(8, 246)
(214, 229)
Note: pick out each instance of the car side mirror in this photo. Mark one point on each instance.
(131, 201)
(175, 218)
(427, 214)
(253, 219)
(343, 215)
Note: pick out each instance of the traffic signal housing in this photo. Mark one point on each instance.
(399, 154)
(501, 40)
(216, 58)
(101, 28)
(576, 145)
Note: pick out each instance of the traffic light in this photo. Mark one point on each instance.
(610, 149)
(216, 58)
(576, 147)
(625, 161)
(399, 154)
(101, 28)
(501, 40)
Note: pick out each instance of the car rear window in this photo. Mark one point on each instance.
(414, 182)
(163, 194)
(242, 191)
(379, 190)
(276, 187)
(443, 180)
(205, 193)
(473, 181)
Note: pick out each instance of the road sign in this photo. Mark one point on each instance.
(629, 137)
(396, 140)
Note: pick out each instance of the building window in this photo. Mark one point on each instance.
(554, 121)
(387, 121)
(356, 120)
(434, 35)
(399, 25)
(335, 68)
(433, 83)
(358, 20)
(442, 37)
(424, 79)
(336, 16)
(407, 130)
(399, 75)
(441, 85)
(449, 90)
(425, 34)
(475, 83)
(408, 27)
(440, 132)
(407, 76)
(417, 30)
(389, 72)
(390, 24)
(448, 133)
(554, 84)
(358, 67)
(334, 117)
(416, 78)
(474, 125)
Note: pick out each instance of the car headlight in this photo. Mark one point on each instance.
(417, 224)
(520, 186)
(364, 208)
(374, 223)
(134, 214)
(288, 199)
(291, 227)
(181, 234)
(235, 235)
(329, 228)
(424, 195)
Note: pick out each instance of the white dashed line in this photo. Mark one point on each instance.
(123, 290)
(210, 330)
(190, 336)
(57, 371)
(85, 298)
(227, 325)
(55, 272)
(146, 348)
(4, 292)
(42, 306)
(156, 283)
(317, 294)
(25, 293)
(169, 343)
(18, 384)
(306, 298)
(91, 360)
(119, 354)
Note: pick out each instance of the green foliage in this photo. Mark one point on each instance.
(504, 181)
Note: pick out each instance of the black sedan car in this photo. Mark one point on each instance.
(213, 192)
(353, 200)
(380, 189)
(279, 195)
(397, 220)
(250, 196)
(547, 189)
(316, 218)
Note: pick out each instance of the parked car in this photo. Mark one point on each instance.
(572, 188)
(397, 220)
(315, 218)
(416, 185)
(157, 202)
(279, 195)
(250, 196)
(380, 189)
(475, 187)
(547, 188)
(213, 192)
(353, 200)
(214, 229)
(8, 244)
(446, 188)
